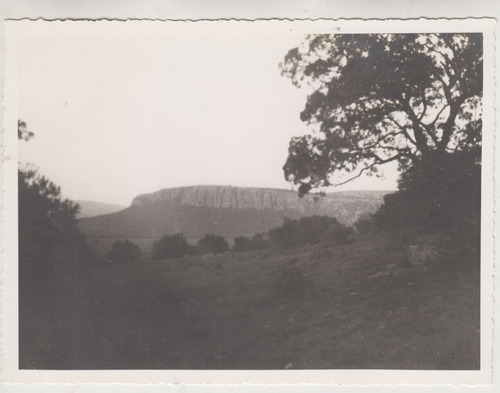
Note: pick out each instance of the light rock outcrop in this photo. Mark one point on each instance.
(346, 206)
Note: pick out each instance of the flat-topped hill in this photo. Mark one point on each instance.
(225, 210)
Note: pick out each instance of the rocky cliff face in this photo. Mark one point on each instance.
(227, 211)
(227, 197)
(346, 206)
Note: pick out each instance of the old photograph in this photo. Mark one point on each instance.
(223, 196)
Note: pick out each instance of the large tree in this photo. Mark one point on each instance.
(379, 98)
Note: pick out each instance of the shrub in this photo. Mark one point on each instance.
(287, 235)
(123, 252)
(258, 242)
(169, 247)
(242, 243)
(311, 230)
(339, 234)
(437, 196)
(365, 224)
(214, 244)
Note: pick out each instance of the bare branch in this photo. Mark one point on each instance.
(424, 101)
(382, 161)
(403, 129)
(446, 88)
(381, 139)
(450, 122)
(420, 139)
(432, 123)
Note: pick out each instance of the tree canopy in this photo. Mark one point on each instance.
(310, 230)
(48, 224)
(22, 131)
(44, 218)
(170, 247)
(212, 243)
(379, 98)
(123, 252)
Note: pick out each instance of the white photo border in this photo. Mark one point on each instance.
(11, 373)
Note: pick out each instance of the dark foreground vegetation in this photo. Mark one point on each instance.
(331, 299)
(292, 233)
(352, 306)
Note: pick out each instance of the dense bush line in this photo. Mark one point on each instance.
(311, 230)
(259, 241)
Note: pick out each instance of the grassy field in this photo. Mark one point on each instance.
(321, 307)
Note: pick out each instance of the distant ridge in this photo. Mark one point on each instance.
(255, 198)
(225, 210)
(92, 208)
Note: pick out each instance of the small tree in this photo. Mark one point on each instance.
(242, 243)
(48, 227)
(258, 242)
(169, 247)
(314, 228)
(123, 252)
(311, 230)
(213, 244)
(288, 234)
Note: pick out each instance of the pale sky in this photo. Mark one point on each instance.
(115, 116)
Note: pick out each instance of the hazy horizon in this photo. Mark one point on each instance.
(222, 185)
(116, 116)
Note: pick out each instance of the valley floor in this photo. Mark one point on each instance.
(318, 307)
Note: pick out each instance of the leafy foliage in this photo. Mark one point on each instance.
(339, 234)
(48, 228)
(379, 98)
(45, 220)
(311, 230)
(214, 244)
(242, 243)
(435, 196)
(23, 132)
(123, 252)
(170, 246)
(287, 235)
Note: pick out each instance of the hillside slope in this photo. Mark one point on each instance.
(92, 208)
(355, 306)
(226, 211)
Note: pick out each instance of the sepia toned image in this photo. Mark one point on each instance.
(224, 196)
